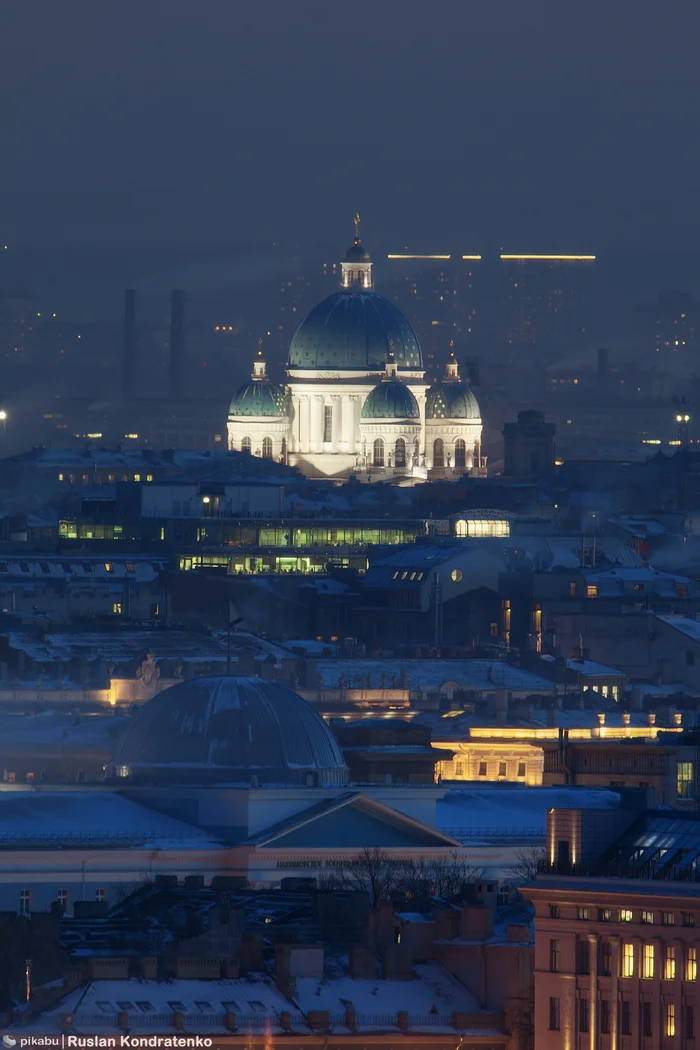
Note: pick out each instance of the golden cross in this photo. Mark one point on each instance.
(356, 220)
(260, 346)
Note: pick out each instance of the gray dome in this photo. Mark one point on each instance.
(390, 399)
(230, 730)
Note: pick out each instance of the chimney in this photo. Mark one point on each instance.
(129, 360)
(177, 344)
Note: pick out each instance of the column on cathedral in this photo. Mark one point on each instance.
(317, 404)
(304, 407)
(337, 423)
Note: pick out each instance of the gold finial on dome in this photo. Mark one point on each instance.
(260, 347)
(356, 220)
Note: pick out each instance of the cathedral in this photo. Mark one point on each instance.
(356, 401)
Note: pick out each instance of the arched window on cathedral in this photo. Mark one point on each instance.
(400, 453)
(460, 453)
(378, 458)
(438, 453)
(267, 448)
(361, 278)
(246, 445)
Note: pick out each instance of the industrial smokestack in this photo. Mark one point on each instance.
(177, 344)
(129, 361)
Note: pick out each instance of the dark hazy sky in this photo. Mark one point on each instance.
(477, 123)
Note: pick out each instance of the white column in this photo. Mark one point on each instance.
(304, 423)
(317, 422)
(337, 421)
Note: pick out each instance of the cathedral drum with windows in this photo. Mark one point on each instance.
(356, 401)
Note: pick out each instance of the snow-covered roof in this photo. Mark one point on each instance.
(495, 809)
(477, 675)
(591, 669)
(81, 817)
(686, 626)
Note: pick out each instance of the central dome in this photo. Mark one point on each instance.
(230, 730)
(355, 330)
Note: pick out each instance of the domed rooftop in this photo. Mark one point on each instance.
(451, 401)
(357, 253)
(230, 730)
(258, 397)
(354, 329)
(390, 399)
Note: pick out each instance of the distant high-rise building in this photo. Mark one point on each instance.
(670, 326)
(439, 293)
(546, 299)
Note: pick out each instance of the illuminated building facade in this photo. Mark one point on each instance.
(356, 400)
(616, 931)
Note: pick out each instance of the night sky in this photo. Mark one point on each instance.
(175, 124)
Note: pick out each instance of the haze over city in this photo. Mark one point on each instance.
(349, 545)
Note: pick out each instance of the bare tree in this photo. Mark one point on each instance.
(373, 871)
(443, 876)
(527, 863)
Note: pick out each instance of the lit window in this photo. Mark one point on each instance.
(583, 913)
(456, 575)
(648, 970)
(670, 1019)
(572, 590)
(117, 608)
(592, 590)
(62, 898)
(60, 477)
(691, 964)
(109, 567)
(628, 960)
(149, 477)
(648, 918)
(685, 779)
(625, 915)
(670, 963)
(137, 477)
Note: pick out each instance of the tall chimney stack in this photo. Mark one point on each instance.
(129, 359)
(177, 344)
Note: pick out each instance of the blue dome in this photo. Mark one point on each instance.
(258, 397)
(354, 330)
(390, 399)
(228, 729)
(451, 401)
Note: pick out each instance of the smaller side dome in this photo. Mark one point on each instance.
(258, 397)
(451, 401)
(390, 399)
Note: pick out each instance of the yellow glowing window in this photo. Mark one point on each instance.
(648, 917)
(592, 590)
(625, 915)
(117, 608)
(149, 477)
(670, 1019)
(137, 477)
(670, 963)
(572, 590)
(628, 960)
(691, 964)
(60, 477)
(648, 968)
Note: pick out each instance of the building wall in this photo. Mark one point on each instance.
(507, 762)
(588, 923)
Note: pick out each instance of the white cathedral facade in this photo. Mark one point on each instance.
(356, 401)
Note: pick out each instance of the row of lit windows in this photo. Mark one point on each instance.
(627, 960)
(62, 896)
(585, 914)
(98, 479)
(624, 1017)
(483, 769)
